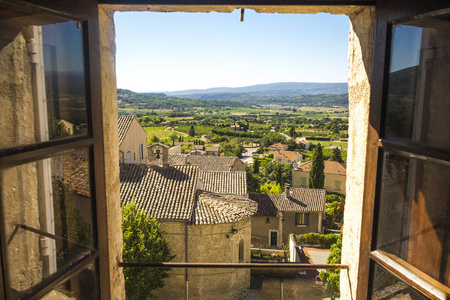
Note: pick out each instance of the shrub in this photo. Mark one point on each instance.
(312, 238)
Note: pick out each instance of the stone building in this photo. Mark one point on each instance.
(132, 141)
(335, 176)
(296, 211)
(278, 147)
(201, 222)
(421, 145)
(287, 157)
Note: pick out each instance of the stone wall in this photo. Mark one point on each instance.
(18, 185)
(206, 244)
(360, 67)
(261, 231)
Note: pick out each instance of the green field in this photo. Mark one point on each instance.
(161, 133)
(328, 144)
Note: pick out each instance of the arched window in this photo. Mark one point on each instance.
(241, 251)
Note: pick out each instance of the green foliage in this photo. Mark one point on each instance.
(253, 180)
(154, 139)
(69, 221)
(317, 174)
(270, 188)
(336, 156)
(276, 172)
(332, 277)
(256, 166)
(192, 131)
(142, 242)
(262, 150)
(312, 238)
(332, 197)
(272, 138)
(232, 148)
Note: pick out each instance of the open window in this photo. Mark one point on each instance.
(47, 201)
(411, 231)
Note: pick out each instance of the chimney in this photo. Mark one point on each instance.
(288, 191)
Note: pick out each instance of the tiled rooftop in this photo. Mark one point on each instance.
(301, 200)
(206, 163)
(224, 182)
(331, 167)
(124, 125)
(76, 172)
(171, 194)
(163, 193)
(215, 208)
(286, 154)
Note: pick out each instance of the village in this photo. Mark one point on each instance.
(204, 207)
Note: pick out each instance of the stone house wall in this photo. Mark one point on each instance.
(207, 243)
(329, 185)
(135, 137)
(261, 229)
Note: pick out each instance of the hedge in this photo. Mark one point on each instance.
(312, 238)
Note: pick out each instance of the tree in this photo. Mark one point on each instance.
(317, 174)
(331, 277)
(256, 166)
(336, 155)
(154, 139)
(292, 132)
(173, 137)
(253, 180)
(192, 131)
(142, 242)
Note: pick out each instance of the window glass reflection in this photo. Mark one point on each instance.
(414, 214)
(80, 286)
(417, 96)
(47, 217)
(386, 286)
(42, 82)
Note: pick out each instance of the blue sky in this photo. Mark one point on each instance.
(176, 51)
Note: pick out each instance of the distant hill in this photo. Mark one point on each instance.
(280, 89)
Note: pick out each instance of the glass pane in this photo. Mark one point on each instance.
(82, 285)
(386, 286)
(47, 217)
(414, 214)
(418, 89)
(42, 82)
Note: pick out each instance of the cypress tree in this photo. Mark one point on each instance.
(317, 172)
(192, 131)
(256, 166)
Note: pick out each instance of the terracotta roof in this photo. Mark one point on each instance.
(76, 172)
(163, 193)
(124, 125)
(286, 154)
(224, 182)
(171, 194)
(331, 167)
(278, 145)
(266, 206)
(205, 163)
(215, 208)
(301, 200)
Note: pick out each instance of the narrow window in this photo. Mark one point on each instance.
(128, 157)
(241, 251)
(337, 185)
(141, 151)
(302, 219)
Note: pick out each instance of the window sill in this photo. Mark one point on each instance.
(301, 225)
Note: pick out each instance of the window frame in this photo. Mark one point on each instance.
(15, 156)
(302, 219)
(413, 277)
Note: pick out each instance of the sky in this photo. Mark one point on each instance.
(176, 51)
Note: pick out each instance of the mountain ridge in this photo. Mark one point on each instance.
(271, 89)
